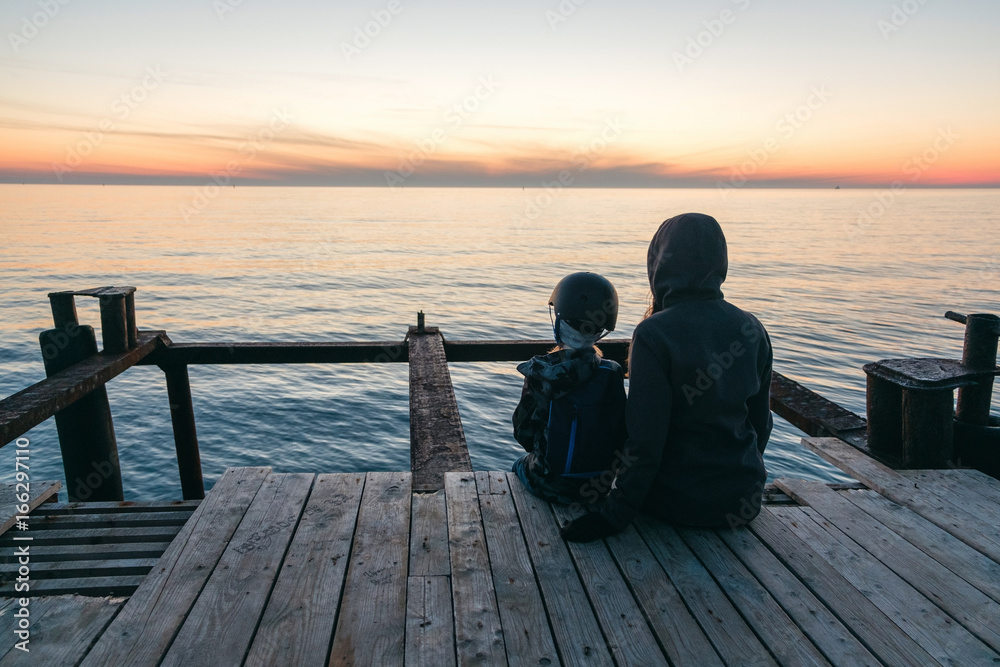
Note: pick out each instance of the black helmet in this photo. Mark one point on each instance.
(586, 300)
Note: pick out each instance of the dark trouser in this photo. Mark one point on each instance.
(562, 490)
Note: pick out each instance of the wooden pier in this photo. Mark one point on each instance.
(360, 569)
(440, 565)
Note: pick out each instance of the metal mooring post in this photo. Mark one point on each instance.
(85, 428)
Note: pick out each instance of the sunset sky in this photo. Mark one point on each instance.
(599, 93)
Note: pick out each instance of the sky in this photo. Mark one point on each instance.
(780, 93)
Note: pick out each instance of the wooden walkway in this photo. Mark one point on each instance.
(302, 569)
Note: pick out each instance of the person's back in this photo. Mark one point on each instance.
(698, 405)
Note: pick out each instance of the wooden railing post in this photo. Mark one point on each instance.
(185, 433)
(437, 440)
(86, 431)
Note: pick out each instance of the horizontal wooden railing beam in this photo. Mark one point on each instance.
(280, 353)
(30, 407)
(520, 350)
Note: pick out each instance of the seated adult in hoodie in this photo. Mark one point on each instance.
(698, 405)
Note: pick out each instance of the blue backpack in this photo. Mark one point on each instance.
(587, 426)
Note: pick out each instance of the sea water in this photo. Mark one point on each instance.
(838, 277)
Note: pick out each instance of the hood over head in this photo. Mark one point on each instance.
(687, 260)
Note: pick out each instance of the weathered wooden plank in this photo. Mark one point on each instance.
(107, 520)
(37, 493)
(967, 604)
(678, 631)
(945, 640)
(143, 630)
(298, 623)
(578, 636)
(954, 491)
(429, 536)
(527, 638)
(437, 441)
(770, 622)
(46, 538)
(282, 353)
(498, 483)
(876, 630)
(977, 481)
(963, 524)
(74, 552)
(479, 635)
(628, 635)
(732, 637)
(944, 547)
(372, 620)
(430, 630)
(30, 407)
(100, 586)
(118, 507)
(821, 625)
(81, 568)
(222, 622)
(62, 628)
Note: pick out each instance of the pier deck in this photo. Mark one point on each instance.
(303, 569)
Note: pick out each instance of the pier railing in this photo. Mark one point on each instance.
(74, 391)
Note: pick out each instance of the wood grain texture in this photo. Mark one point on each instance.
(967, 604)
(437, 440)
(62, 628)
(430, 629)
(972, 529)
(372, 620)
(774, 627)
(527, 637)
(143, 630)
(944, 547)
(945, 640)
(578, 636)
(868, 622)
(222, 622)
(38, 493)
(820, 624)
(479, 635)
(729, 633)
(297, 625)
(678, 631)
(429, 536)
(628, 635)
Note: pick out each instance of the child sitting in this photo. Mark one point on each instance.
(571, 417)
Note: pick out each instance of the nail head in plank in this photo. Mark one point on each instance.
(728, 632)
(478, 632)
(429, 535)
(143, 630)
(430, 631)
(628, 635)
(298, 621)
(372, 617)
(578, 636)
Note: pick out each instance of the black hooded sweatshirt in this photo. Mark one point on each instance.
(698, 404)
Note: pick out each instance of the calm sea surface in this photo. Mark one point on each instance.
(342, 264)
